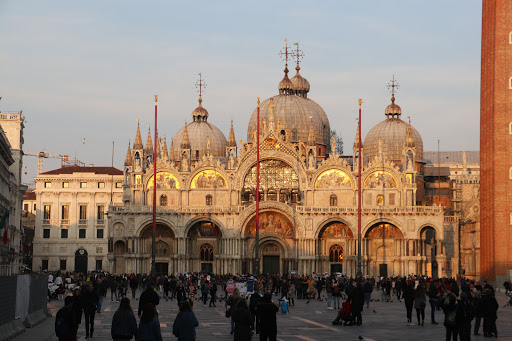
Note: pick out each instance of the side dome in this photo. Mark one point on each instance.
(300, 85)
(294, 112)
(198, 131)
(393, 133)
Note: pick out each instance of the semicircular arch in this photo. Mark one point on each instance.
(286, 251)
(438, 231)
(159, 220)
(376, 221)
(327, 221)
(195, 181)
(329, 177)
(192, 222)
(166, 179)
(273, 222)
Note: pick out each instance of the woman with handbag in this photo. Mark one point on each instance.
(232, 302)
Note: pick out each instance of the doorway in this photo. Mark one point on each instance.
(336, 268)
(207, 267)
(271, 264)
(162, 268)
(81, 261)
(383, 270)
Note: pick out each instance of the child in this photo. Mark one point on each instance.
(344, 314)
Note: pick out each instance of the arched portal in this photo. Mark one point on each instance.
(274, 226)
(383, 249)
(334, 234)
(271, 258)
(164, 246)
(204, 242)
(119, 260)
(81, 261)
(278, 181)
(428, 250)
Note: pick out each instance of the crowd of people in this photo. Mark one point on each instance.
(248, 301)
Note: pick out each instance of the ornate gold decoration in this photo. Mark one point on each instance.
(333, 179)
(271, 223)
(336, 230)
(208, 179)
(380, 179)
(384, 231)
(165, 180)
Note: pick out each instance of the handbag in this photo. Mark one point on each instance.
(228, 313)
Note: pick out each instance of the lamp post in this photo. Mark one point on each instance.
(359, 271)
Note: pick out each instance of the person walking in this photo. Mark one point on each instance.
(357, 301)
(266, 317)
(89, 304)
(77, 305)
(149, 326)
(185, 323)
(477, 311)
(463, 316)
(367, 290)
(213, 292)
(102, 292)
(420, 302)
(232, 301)
(291, 294)
(449, 306)
(242, 319)
(148, 296)
(433, 294)
(408, 296)
(133, 285)
(124, 325)
(336, 294)
(113, 288)
(490, 308)
(328, 290)
(66, 325)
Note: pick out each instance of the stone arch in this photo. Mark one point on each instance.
(325, 170)
(119, 247)
(336, 253)
(283, 246)
(321, 227)
(149, 175)
(274, 221)
(159, 221)
(438, 231)
(209, 169)
(370, 224)
(192, 222)
(248, 163)
(383, 230)
(206, 252)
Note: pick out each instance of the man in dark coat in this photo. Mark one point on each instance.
(148, 296)
(266, 315)
(89, 303)
(357, 305)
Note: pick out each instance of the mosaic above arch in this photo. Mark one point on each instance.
(164, 180)
(333, 178)
(271, 223)
(204, 229)
(336, 230)
(208, 179)
(384, 231)
(380, 179)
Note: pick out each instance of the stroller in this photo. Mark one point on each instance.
(344, 315)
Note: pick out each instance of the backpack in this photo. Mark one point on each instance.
(450, 317)
(336, 289)
(62, 327)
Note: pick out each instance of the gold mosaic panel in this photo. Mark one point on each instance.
(333, 178)
(208, 179)
(164, 180)
(380, 179)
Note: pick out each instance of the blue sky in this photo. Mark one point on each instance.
(90, 69)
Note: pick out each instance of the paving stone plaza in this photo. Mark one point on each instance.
(383, 321)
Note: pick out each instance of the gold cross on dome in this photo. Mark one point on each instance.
(298, 54)
(284, 52)
(393, 86)
(201, 84)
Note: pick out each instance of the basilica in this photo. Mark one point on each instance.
(308, 197)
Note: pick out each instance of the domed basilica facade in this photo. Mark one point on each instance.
(308, 212)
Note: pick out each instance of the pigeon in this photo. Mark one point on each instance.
(361, 338)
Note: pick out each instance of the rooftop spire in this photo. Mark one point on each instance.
(128, 161)
(171, 152)
(185, 142)
(298, 54)
(138, 139)
(149, 145)
(231, 138)
(200, 113)
(164, 149)
(409, 136)
(285, 86)
(393, 109)
(300, 85)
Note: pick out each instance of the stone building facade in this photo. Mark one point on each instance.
(71, 229)
(206, 190)
(11, 190)
(495, 141)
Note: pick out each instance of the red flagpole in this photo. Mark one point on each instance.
(257, 242)
(154, 192)
(359, 162)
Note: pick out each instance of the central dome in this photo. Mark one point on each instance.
(294, 112)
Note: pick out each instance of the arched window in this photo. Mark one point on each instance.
(163, 200)
(209, 200)
(206, 253)
(333, 200)
(336, 254)
(161, 249)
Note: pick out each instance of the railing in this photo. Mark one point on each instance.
(64, 222)
(100, 221)
(46, 221)
(377, 210)
(82, 221)
(160, 209)
(451, 219)
(10, 115)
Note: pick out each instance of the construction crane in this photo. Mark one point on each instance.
(45, 155)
